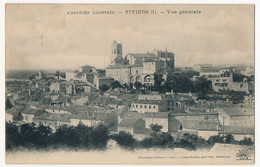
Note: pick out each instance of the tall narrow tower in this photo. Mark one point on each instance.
(116, 54)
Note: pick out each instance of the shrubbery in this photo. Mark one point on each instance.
(41, 137)
(161, 139)
(30, 136)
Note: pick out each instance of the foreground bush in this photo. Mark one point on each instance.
(30, 136)
(42, 137)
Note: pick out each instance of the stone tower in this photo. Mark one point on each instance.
(40, 74)
(116, 54)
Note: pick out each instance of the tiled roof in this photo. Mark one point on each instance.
(201, 125)
(84, 116)
(192, 114)
(156, 115)
(147, 102)
(30, 111)
(128, 122)
(238, 130)
(142, 55)
(80, 109)
(237, 111)
(152, 59)
(56, 108)
(54, 117)
(15, 109)
(91, 116)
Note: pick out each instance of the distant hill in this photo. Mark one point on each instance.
(20, 74)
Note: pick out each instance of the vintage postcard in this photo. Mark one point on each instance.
(129, 84)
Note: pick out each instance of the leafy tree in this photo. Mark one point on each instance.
(100, 136)
(156, 128)
(115, 84)
(179, 83)
(28, 135)
(138, 85)
(125, 139)
(147, 143)
(60, 135)
(12, 136)
(246, 141)
(162, 139)
(42, 136)
(158, 138)
(215, 139)
(104, 88)
(157, 82)
(238, 77)
(229, 139)
(192, 142)
(203, 87)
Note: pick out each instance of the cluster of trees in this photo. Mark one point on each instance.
(235, 96)
(164, 139)
(180, 83)
(113, 85)
(42, 137)
(240, 77)
(30, 136)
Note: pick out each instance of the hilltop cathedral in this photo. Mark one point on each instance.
(138, 67)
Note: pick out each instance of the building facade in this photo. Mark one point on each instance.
(138, 67)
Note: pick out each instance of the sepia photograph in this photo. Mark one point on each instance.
(130, 84)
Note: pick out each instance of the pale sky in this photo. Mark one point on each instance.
(46, 37)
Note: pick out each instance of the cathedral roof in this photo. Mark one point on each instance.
(142, 55)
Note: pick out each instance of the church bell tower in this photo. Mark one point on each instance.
(116, 54)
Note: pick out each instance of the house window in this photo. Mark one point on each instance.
(144, 106)
(141, 106)
(149, 106)
(133, 106)
(153, 106)
(136, 71)
(136, 106)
